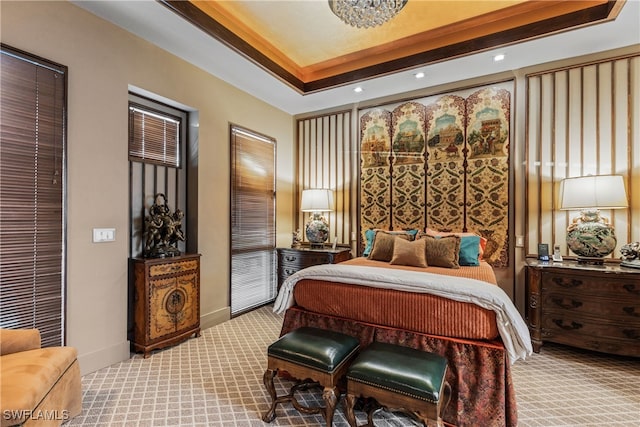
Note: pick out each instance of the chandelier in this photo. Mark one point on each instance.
(366, 13)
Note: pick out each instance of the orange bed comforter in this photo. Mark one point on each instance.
(418, 312)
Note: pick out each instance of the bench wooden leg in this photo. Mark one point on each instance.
(328, 395)
(331, 401)
(351, 416)
(267, 379)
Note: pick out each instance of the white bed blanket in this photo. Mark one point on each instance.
(513, 330)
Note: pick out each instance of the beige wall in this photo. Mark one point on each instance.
(103, 62)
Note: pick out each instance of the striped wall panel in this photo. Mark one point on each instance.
(327, 159)
(581, 120)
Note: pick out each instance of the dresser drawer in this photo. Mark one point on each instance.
(172, 268)
(292, 260)
(622, 309)
(606, 285)
(596, 343)
(560, 322)
(299, 260)
(285, 272)
(592, 333)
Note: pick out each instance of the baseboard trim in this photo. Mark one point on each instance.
(102, 358)
(215, 317)
(91, 362)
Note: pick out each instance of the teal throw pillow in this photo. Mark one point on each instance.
(469, 250)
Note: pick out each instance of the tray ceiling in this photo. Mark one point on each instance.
(303, 44)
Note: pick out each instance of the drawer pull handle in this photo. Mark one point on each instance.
(567, 283)
(572, 327)
(632, 289)
(290, 258)
(631, 311)
(570, 305)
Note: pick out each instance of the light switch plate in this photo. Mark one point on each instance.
(519, 241)
(101, 235)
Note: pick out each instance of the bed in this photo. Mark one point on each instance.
(458, 313)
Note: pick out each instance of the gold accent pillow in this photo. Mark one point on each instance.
(410, 253)
(382, 249)
(442, 252)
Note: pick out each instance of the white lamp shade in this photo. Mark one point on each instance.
(317, 200)
(599, 191)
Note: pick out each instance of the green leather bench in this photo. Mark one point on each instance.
(315, 357)
(398, 378)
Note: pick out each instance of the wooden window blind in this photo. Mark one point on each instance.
(32, 135)
(153, 136)
(253, 225)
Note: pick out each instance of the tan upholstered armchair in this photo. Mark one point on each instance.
(38, 386)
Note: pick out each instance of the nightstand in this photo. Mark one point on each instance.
(291, 260)
(595, 307)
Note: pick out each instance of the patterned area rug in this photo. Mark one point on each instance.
(216, 380)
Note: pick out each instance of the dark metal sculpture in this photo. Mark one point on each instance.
(630, 255)
(162, 230)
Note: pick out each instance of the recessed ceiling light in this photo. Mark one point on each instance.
(419, 75)
(498, 57)
(358, 89)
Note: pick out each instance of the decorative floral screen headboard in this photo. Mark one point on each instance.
(440, 162)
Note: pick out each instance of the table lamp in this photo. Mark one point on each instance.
(591, 236)
(316, 201)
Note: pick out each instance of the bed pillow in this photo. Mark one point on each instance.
(383, 243)
(370, 235)
(469, 250)
(413, 253)
(442, 251)
(469, 239)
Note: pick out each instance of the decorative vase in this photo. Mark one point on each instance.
(317, 230)
(591, 236)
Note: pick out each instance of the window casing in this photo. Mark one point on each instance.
(253, 225)
(157, 147)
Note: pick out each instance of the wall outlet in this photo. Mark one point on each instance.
(101, 235)
(519, 241)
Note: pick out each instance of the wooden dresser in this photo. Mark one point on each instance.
(291, 260)
(587, 306)
(166, 301)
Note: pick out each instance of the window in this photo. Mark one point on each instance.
(154, 137)
(157, 135)
(253, 229)
(32, 153)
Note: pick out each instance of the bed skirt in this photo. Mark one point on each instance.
(482, 392)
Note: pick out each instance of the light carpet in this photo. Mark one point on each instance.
(216, 380)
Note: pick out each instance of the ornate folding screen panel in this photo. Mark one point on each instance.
(407, 166)
(445, 167)
(375, 174)
(440, 162)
